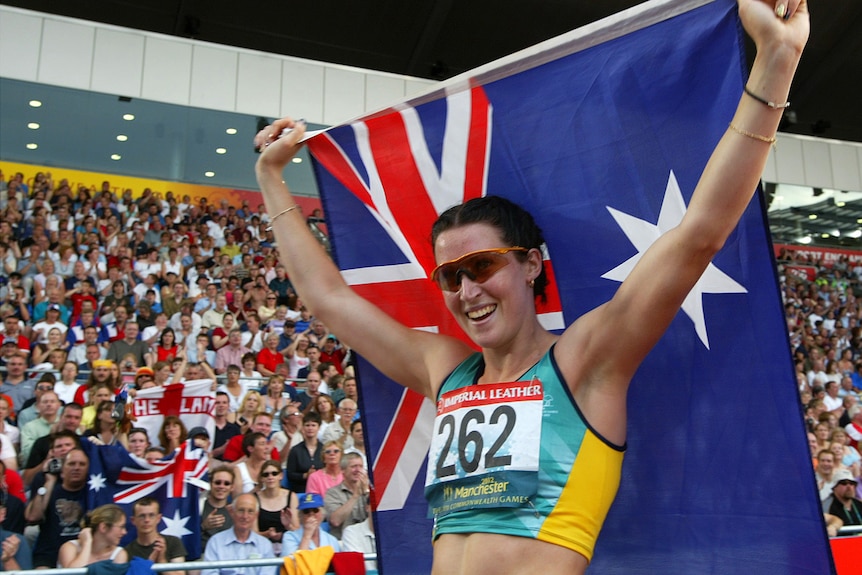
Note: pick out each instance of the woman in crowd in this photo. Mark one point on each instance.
(98, 541)
(297, 354)
(167, 348)
(99, 393)
(256, 448)
(104, 426)
(249, 376)
(325, 407)
(139, 441)
(67, 386)
(55, 341)
(172, 434)
(278, 511)
(219, 335)
(489, 267)
(273, 401)
(269, 357)
(821, 432)
(250, 405)
(323, 479)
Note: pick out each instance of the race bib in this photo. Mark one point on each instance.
(485, 447)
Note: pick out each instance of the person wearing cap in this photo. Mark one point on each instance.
(12, 334)
(843, 503)
(332, 353)
(309, 535)
(240, 541)
(200, 437)
(15, 552)
(53, 319)
(143, 375)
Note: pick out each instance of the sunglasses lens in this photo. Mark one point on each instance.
(478, 267)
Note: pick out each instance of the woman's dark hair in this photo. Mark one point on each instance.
(163, 438)
(517, 227)
(162, 337)
(106, 405)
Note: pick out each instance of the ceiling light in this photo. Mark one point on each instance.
(128, 117)
(230, 131)
(209, 174)
(839, 204)
(122, 137)
(33, 126)
(824, 235)
(836, 233)
(297, 160)
(855, 234)
(812, 216)
(35, 103)
(221, 150)
(116, 156)
(805, 240)
(32, 146)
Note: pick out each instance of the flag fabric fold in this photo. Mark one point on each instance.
(602, 136)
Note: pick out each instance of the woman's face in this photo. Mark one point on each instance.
(822, 432)
(101, 395)
(138, 443)
(115, 533)
(302, 343)
(4, 409)
(172, 431)
(54, 336)
(323, 405)
(228, 322)
(837, 450)
(331, 455)
(69, 371)
(270, 476)
(276, 386)
(492, 313)
(252, 403)
(168, 339)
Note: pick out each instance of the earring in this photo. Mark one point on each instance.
(531, 283)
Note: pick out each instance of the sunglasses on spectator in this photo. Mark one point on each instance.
(330, 451)
(44, 388)
(847, 482)
(223, 483)
(270, 474)
(479, 266)
(310, 511)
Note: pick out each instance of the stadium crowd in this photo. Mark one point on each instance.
(101, 292)
(101, 289)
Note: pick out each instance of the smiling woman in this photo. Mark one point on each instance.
(517, 486)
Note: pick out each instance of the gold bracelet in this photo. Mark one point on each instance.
(752, 135)
(279, 214)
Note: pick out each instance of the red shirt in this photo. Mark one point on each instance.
(269, 359)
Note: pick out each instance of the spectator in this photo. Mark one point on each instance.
(309, 535)
(306, 457)
(214, 514)
(130, 344)
(290, 433)
(58, 507)
(843, 503)
(224, 429)
(347, 502)
(15, 554)
(48, 407)
(149, 543)
(278, 506)
(360, 538)
(15, 385)
(240, 541)
(98, 541)
(312, 391)
(340, 430)
(232, 353)
(261, 423)
(330, 475)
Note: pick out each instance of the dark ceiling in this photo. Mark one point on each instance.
(437, 39)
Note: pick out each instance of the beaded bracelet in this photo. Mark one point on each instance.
(752, 135)
(766, 102)
(279, 214)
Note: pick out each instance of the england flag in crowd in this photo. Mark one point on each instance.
(192, 401)
(602, 135)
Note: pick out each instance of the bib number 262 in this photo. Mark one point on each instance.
(470, 442)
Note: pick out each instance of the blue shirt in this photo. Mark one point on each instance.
(290, 541)
(23, 555)
(224, 546)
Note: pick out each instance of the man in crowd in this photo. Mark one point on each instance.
(48, 407)
(58, 507)
(15, 384)
(240, 541)
(232, 353)
(340, 430)
(214, 515)
(261, 423)
(843, 503)
(55, 444)
(130, 344)
(312, 391)
(224, 429)
(347, 502)
(149, 543)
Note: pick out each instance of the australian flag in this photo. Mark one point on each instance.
(117, 476)
(602, 135)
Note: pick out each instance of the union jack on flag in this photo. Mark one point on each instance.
(602, 135)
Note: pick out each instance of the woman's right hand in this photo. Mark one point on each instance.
(277, 150)
(85, 536)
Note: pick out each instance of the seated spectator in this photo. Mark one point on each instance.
(214, 514)
(15, 554)
(358, 441)
(16, 386)
(166, 349)
(360, 538)
(309, 535)
(98, 541)
(249, 377)
(269, 358)
(12, 433)
(48, 408)
(843, 503)
(277, 396)
(312, 391)
(237, 392)
(58, 507)
(340, 430)
(307, 457)
(290, 433)
(347, 502)
(261, 423)
(172, 433)
(240, 541)
(149, 543)
(325, 407)
(30, 410)
(105, 429)
(130, 344)
(139, 442)
(232, 353)
(278, 506)
(330, 475)
(67, 386)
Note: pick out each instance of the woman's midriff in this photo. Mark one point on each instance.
(490, 553)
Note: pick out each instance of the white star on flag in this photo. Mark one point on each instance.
(96, 482)
(176, 525)
(643, 234)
